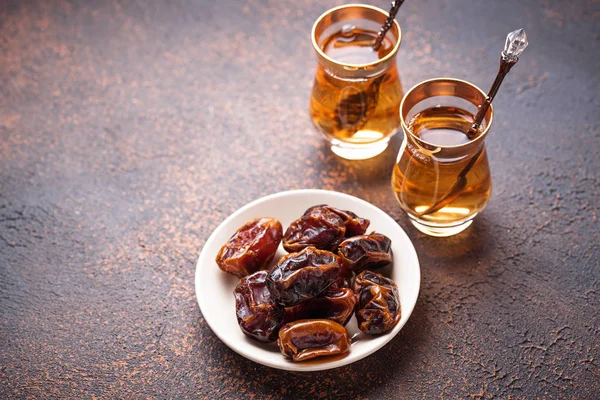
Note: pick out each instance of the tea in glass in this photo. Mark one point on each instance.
(441, 177)
(357, 90)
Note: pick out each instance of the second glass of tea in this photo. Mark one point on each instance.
(357, 90)
(442, 177)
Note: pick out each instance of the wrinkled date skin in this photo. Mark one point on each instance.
(378, 308)
(251, 248)
(318, 227)
(366, 252)
(258, 314)
(336, 305)
(344, 280)
(310, 338)
(354, 224)
(301, 276)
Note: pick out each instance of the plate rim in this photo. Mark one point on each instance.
(322, 366)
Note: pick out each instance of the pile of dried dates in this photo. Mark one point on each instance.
(307, 298)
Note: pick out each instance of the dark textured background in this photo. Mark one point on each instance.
(130, 130)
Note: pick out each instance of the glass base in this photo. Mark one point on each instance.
(358, 151)
(441, 230)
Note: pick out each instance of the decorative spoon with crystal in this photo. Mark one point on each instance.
(516, 42)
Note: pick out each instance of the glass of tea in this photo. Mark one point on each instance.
(357, 91)
(442, 177)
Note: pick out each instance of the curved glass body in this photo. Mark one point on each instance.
(442, 178)
(357, 91)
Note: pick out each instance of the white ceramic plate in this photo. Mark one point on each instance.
(214, 288)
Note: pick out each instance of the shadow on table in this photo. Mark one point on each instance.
(370, 173)
(474, 243)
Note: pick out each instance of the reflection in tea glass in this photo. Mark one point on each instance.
(441, 177)
(357, 91)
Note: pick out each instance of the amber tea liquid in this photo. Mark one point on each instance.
(422, 176)
(356, 111)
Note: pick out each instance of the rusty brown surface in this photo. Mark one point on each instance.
(130, 130)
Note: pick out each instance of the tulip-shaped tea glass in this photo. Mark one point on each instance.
(441, 177)
(357, 91)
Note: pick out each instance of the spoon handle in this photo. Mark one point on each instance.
(505, 66)
(387, 24)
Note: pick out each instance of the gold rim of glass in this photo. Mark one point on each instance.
(456, 146)
(331, 10)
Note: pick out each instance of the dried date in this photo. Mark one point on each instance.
(378, 309)
(302, 276)
(336, 305)
(366, 252)
(258, 314)
(310, 338)
(354, 224)
(318, 227)
(251, 248)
